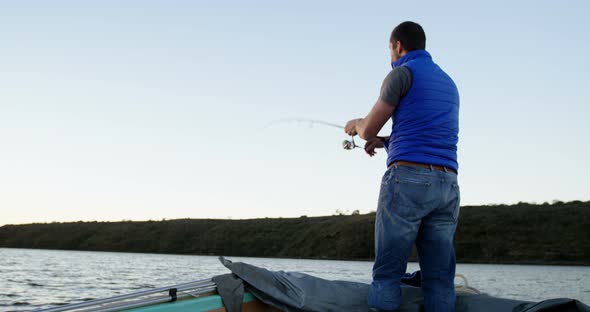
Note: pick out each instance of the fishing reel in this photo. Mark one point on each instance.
(350, 145)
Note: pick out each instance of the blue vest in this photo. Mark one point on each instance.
(426, 121)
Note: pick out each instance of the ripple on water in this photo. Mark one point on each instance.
(58, 303)
(20, 303)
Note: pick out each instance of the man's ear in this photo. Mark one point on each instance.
(399, 47)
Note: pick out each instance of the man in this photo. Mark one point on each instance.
(419, 197)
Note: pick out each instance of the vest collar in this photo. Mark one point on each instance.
(412, 55)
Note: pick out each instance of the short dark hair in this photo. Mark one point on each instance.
(410, 34)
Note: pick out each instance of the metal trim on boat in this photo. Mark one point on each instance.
(185, 290)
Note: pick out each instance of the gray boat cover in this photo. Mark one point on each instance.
(296, 292)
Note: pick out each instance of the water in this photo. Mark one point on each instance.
(31, 279)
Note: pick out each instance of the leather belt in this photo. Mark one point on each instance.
(413, 164)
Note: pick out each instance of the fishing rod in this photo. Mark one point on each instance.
(346, 144)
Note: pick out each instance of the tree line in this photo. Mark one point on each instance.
(522, 233)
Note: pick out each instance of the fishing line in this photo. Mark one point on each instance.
(309, 121)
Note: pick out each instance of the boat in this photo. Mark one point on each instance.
(252, 289)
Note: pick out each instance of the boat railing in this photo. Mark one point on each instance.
(141, 298)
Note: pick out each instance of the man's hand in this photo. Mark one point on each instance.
(350, 127)
(372, 144)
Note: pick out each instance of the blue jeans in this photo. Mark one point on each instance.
(416, 206)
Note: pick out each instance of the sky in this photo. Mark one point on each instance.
(150, 110)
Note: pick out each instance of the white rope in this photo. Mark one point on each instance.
(465, 288)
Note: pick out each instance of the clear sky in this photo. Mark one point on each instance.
(138, 110)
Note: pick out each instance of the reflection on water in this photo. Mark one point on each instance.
(31, 279)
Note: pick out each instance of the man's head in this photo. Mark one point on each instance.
(406, 37)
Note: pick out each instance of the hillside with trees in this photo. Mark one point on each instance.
(524, 233)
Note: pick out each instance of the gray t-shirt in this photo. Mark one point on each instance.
(396, 85)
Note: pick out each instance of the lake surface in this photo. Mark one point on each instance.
(31, 279)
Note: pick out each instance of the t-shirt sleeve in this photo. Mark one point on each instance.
(396, 85)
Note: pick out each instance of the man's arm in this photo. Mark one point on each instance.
(368, 127)
(395, 86)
